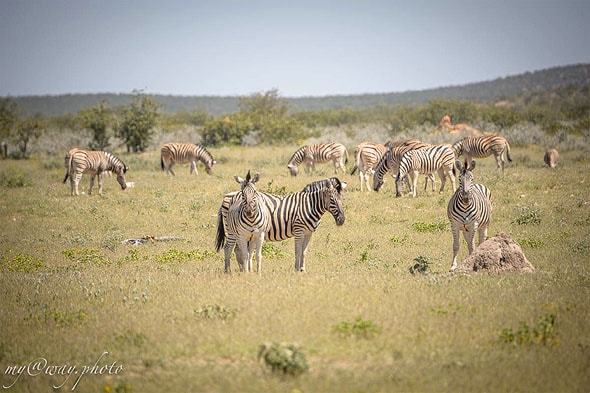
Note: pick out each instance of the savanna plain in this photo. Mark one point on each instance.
(376, 310)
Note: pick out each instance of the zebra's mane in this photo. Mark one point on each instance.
(115, 162)
(297, 157)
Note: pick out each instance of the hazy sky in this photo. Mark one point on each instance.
(300, 47)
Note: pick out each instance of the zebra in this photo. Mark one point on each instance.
(367, 155)
(248, 220)
(325, 183)
(182, 153)
(438, 158)
(391, 158)
(320, 153)
(94, 163)
(551, 158)
(296, 215)
(4, 149)
(484, 146)
(469, 210)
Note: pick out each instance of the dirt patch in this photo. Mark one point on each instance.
(498, 254)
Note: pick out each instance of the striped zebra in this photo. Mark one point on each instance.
(325, 183)
(182, 153)
(438, 158)
(297, 216)
(247, 221)
(367, 156)
(469, 210)
(391, 158)
(484, 146)
(93, 163)
(318, 153)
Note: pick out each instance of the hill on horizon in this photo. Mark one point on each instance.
(497, 89)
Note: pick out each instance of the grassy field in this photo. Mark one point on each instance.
(163, 316)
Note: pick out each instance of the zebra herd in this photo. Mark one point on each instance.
(248, 217)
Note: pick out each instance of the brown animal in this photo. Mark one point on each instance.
(551, 158)
(460, 129)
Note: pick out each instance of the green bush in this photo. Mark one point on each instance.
(283, 358)
(358, 328)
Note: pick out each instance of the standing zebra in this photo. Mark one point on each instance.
(320, 153)
(484, 146)
(296, 215)
(367, 156)
(469, 210)
(182, 153)
(438, 158)
(248, 220)
(391, 159)
(94, 163)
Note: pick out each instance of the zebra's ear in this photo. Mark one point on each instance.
(255, 178)
(472, 166)
(459, 165)
(239, 179)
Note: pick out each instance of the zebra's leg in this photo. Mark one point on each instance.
(483, 234)
(470, 237)
(244, 257)
(259, 244)
(193, 168)
(170, 168)
(414, 178)
(443, 180)
(74, 184)
(304, 245)
(100, 177)
(227, 250)
(91, 184)
(500, 162)
(455, 246)
(361, 178)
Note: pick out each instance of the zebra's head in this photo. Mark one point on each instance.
(380, 170)
(249, 193)
(209, 166)
(120, 169)
(465, 179)
(335, 203)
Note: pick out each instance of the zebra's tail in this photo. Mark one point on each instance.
(161, 162)
(508, 152)
(68, 160)
(220, 238)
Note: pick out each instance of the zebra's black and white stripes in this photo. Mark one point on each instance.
(318, 153)
(248, 220)
(469, 210)
(438, 158)
(485, 146)
(367, 156)
(182, 153)
(297, 216)
(94, 163)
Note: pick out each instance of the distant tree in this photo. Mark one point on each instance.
(26, 130)
(262, 118)
(8, 116)
(98, 121)
(138, 120)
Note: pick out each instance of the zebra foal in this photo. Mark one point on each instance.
(94, 163)
(482, 147)
(248, 220)
(439, 158)
(469, 210)
(182, 153)
(318, 153)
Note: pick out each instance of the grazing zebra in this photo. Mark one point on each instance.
(248, 220)
(94, 163)
(367, 155)
(296, 215)
(438, 158)
(551, 158)
(182, 153)
(325, 183)
(484, 146)
(392, 157)
(469, 210)
(320, 153)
